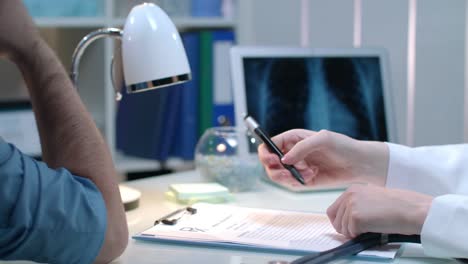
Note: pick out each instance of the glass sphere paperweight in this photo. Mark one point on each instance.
(228, 155)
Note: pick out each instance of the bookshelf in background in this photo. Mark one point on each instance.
(70, 20)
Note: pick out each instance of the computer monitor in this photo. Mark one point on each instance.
(341, 90)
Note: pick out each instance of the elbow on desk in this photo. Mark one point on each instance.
(115, 243)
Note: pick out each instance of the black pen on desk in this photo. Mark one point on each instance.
(253, 126)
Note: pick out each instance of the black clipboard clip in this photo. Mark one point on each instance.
(358, 244)
(174, 217)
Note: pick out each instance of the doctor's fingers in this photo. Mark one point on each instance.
(355, 227)
(321, 141)
(338, 221)
(344, 223)
(267, 158)
(282, 176)
(333, 209)
(287, 140)
(350, 225)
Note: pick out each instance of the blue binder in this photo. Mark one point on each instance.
(170, 126)
(140, 119)
(223, 104)
(186, 132)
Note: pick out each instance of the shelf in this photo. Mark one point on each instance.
(71, 21)
(124, 163)
(180, 22)
(204, 22)
(84, 22)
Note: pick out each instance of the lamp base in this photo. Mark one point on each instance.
(130, 197)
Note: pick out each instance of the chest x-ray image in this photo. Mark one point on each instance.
(340, 94)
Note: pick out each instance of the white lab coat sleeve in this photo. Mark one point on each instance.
(434, 170)
(445, 233)
(442, 172)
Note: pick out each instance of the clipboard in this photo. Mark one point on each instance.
(253, 229)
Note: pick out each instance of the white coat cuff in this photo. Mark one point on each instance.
(444, 233)
(399, 167)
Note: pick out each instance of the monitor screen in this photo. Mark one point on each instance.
(340, 90)
(338, 93)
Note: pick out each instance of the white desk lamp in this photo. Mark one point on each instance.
(153, 56)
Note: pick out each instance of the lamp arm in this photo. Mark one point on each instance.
(85, 42)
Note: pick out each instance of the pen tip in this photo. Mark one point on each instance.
(301, 180)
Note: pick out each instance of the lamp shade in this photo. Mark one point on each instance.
(152, 51)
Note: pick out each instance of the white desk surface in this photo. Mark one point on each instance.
(153, 205)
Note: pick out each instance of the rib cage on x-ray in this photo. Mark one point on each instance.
(340, 94)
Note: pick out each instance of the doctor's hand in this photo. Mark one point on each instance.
(368, 208)
(325, 158)
(18, 33)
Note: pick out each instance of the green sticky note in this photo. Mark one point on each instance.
(185, 191)
(214, 199)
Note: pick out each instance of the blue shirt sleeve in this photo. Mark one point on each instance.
(47, 215)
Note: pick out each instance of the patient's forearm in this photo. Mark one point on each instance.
(69, 137)
(68, 134)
